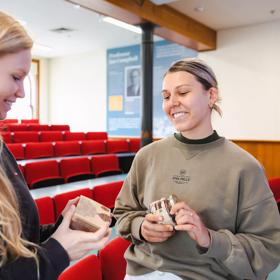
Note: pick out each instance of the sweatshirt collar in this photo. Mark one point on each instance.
(211, 138)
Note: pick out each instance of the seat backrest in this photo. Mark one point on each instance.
(106, 194)
(74, 165)
(6, 136)
(117, 146)
(274, 184)
(104, 163)
(39, 150)
(88, 268)
(60, 127)
(17, 150)
(113, 263)
(30, 121)
(26, 136)
(45, 206)
(134, 144)
(72, 136)
(61, 199)
(90, 147)
(98, 135)
(38, 127)
(68, 148)
(18, 127)
(51, 136)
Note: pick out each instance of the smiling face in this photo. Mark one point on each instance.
(188, 105)
(13, 69)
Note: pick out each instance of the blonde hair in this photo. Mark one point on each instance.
(13, 38)
(202, 72)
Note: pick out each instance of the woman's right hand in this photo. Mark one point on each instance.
(78, 243)
(152, 231)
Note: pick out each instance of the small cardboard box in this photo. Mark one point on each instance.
(90, 215)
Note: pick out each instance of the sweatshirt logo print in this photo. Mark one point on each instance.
(181, 178)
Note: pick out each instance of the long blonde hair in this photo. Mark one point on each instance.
(13, 38)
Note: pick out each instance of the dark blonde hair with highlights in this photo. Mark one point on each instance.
(202, 72)
(13, 38)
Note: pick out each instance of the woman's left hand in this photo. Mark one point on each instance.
(188, 220)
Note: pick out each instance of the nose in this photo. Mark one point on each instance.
(174, 99)
(20, 93)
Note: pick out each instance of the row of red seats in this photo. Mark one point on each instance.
(73, 148)
(109, 264)
(52, 172)
(16, 121)
(49, 208)
(34, 127)
(50, 136)
(274, 184)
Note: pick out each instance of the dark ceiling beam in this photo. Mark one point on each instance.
(170, 24)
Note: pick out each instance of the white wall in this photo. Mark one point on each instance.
(246, 63)
(78, 91)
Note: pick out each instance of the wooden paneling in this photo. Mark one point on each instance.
(170, 23)
(267, 153)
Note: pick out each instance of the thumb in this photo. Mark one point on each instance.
(68, 216)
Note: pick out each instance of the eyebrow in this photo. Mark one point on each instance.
(21, 72)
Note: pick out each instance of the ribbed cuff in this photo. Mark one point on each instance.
(220, 246)
(136, 227)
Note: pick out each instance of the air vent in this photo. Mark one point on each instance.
(61, 30)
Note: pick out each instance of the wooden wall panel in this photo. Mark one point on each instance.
(266, 152)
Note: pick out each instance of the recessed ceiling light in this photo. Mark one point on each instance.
(199, 9)
(76, 6)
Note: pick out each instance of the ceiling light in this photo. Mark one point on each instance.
(122, 24)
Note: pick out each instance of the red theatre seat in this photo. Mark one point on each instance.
(38, 127)
(117, 146)
(92, 147)
(113, 263)
(7, 137)
(106, 194)
(69, 148)
(26, 136)
(60, 127)
(8, 121)
(45, 206)
(33, 121)
(274, 184)
(51, 136)
(97, 135)
(21, 168)
(104, 165)
(87, 268)
(61, 200)
(134, 145)
(42, 174)
(74, 136)
(75, 169)
(18, 127)
(39, 150)
(17, 150)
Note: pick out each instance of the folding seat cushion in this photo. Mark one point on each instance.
(39, 150)
(18, 127)
(104, 165)
(38, 127)
(117, 146)
(51, 136)
(26, 136)
(87, 268)
(67, 148)
(106, 194)
(134, 144)
(45, 206)
(113, 263)
(6, 136)
(33, 121)
(61, 199)
(43, 173)
(74, 136)
(60, 127)
(75, 169)
(91, 147)
(17, 150)
(100, 135)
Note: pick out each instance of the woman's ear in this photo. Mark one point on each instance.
(213, 96)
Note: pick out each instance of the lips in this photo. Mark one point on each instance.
(8, 104)
(178, 115)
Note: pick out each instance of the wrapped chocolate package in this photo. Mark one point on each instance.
(162, 207)
(90, 215)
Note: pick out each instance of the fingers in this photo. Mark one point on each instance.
(69, 203)
(68, 216)
(153, 218)
(179, 205)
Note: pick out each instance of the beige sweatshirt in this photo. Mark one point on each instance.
(226, 186)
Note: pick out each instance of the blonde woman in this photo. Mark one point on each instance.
(28, 251)
(227, 222)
